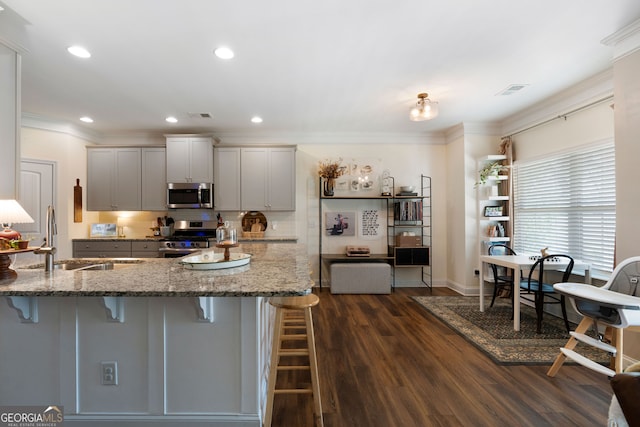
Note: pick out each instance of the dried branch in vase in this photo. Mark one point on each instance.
(330, 169)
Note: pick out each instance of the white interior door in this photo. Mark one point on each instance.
(37, 192)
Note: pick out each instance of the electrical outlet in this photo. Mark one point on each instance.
(476, 272)
(109, 371)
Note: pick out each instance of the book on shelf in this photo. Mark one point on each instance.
(406, 211)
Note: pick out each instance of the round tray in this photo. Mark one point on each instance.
(214, 261)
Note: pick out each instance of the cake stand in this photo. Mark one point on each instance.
(226, 247)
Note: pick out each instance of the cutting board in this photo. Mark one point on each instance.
(77, 202)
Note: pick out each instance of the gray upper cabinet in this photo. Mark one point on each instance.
(126, 179)
(226, 173)
(267, 178)
(189, 159)
(114, 179)
(154, 179)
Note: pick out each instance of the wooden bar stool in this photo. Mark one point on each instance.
(293, 314)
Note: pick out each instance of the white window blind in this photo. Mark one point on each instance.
(567, 202)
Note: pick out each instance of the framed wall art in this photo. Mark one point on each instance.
(340, 223)
(490, 211)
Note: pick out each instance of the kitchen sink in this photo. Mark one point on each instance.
(79, 265)
(89, 264)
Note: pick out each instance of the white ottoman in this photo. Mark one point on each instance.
(360, 278)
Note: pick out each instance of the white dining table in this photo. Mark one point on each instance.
(522, 263)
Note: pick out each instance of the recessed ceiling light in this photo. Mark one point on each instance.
(86, 119)
(256, 119)
(224, 53)
(79, 51)
(171, 119)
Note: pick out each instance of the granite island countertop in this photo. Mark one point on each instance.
(281, 269)
(272, 239)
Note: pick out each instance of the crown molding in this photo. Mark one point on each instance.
(624, 41)
(35, 121)
(232, 138)
(454, 133)
(488, 128)
(584, 93)
(13, 33)
(331, 138)
(472, 128)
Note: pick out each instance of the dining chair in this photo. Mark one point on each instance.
(534, 288)
(502, 276)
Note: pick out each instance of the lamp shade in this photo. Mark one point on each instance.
(12, 213)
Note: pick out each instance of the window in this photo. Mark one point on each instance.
(567, 202)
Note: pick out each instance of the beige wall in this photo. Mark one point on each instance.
(406, 162)
(585, 127)
(69, 154)
(464, 148)
(627, 131)
(456, 235)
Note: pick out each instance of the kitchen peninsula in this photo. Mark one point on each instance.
(278, 269)
(191, 346)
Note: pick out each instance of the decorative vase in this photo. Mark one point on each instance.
(329, 183)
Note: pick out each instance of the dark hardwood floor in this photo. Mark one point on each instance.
(385, 361)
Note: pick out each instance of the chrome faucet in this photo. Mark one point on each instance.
(47, 247)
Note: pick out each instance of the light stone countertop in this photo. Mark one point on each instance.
(274, 239)
(275, 269)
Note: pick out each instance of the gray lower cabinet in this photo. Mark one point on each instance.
(145, 249)
(115, 248)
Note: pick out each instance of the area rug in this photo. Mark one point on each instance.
(492, 331)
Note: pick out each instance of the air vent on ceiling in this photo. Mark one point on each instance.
(200, 115)
(511, 89)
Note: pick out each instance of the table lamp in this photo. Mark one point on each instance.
(12, 213)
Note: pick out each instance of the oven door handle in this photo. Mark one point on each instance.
(179, 250)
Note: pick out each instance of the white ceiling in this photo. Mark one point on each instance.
(330, 66)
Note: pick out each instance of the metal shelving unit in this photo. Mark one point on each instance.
(416, 220)
(423, 223)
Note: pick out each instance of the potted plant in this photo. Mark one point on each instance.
(491, 169)
(330, 170)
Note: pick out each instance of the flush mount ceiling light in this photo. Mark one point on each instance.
(425, 109)
(171, 119)
(224, 53)
(256, 119)
(86, 119)
(79, 51)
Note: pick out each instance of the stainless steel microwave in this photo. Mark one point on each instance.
(190, 195)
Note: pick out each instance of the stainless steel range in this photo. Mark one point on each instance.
(188, 237)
